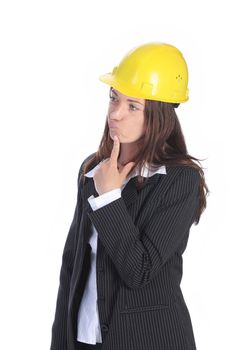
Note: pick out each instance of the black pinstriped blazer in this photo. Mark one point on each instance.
(141, 238)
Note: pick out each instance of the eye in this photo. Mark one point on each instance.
(134, 108)
(112, 98)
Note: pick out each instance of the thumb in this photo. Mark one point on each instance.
(127, 169)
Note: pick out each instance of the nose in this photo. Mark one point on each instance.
(117, 112)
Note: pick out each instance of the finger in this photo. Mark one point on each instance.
(115, 150)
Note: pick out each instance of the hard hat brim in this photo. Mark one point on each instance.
(122, 87)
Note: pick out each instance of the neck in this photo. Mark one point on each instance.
(128, 151)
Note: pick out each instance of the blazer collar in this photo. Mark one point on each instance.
(147, 171)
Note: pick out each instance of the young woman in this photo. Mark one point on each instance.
(138, 196)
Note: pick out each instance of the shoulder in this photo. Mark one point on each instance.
(183, 172)
(182, 179)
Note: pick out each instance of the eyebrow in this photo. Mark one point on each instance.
(129, 100)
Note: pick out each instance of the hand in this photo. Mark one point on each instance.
(107, 177)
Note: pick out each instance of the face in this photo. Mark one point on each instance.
(125, 117)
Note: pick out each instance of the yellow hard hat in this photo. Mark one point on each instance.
(153, 71)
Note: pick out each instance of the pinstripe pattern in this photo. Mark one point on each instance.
(141, 239)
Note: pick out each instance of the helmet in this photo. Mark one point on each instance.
(153, 71)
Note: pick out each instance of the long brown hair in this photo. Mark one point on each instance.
(162, 144)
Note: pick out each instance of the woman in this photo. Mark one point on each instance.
(138, 196)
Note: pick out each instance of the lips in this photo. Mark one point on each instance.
(112, 125)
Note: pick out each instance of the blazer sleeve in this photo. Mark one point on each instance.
(139, 255)
(59, 327)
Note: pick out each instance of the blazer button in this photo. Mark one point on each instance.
(104, 327)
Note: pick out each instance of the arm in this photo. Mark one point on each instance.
(59, 329)
(138, 256)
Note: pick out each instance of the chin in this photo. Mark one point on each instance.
(113, 134)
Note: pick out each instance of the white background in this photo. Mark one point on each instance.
(53, 109)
